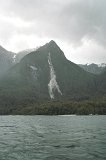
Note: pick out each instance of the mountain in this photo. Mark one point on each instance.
(46, 74)
(6, 60)
(93, 68)
(45, 82)
(23, 53)
(101, 79)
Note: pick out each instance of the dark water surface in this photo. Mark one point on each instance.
(52, 137)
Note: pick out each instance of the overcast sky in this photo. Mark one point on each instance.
(78, 26)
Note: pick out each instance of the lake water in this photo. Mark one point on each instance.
(52, 137)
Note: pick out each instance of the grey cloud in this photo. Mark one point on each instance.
(71, 21)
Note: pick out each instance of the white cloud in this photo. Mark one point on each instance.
(20, 42)
(89, 51)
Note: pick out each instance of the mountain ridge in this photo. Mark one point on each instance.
(93, 68)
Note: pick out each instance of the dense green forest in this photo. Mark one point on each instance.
(82, 107)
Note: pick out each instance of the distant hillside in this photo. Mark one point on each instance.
(6, 60)
(93, 68)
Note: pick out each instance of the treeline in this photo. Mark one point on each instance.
(85, 107)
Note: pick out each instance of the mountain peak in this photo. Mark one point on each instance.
(52, 44)
(54, 48)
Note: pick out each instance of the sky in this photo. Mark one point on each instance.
(77, 26)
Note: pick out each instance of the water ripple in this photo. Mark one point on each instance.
(52, 138)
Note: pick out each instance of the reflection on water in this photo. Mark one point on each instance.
(52, 137)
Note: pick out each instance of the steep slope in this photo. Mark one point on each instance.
(93, 68)
(101, 82)
(23, 53)
(46, 74)
(6, 60)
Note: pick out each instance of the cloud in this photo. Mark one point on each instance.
(70, 21)
(89, 51)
